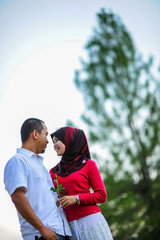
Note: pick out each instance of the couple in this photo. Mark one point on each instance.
(29, 185)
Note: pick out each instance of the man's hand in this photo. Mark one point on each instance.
(67, 200)
(48, 234)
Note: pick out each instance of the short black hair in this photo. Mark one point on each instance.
(29, 126)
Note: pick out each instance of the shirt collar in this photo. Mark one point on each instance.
(29, 153)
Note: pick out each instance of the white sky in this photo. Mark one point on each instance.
(40, 45)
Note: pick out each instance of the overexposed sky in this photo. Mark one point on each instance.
(40, 45)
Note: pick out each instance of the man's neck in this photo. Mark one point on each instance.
(29, 147)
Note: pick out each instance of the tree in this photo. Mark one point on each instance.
(122, 101)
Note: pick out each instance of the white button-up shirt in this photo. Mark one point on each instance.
(26, 169)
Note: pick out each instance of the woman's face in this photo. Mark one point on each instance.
(59, 147)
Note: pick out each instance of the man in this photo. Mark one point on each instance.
(28, 183)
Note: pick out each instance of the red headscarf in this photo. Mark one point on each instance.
(76, 150)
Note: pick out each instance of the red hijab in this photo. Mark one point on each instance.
(76, 150)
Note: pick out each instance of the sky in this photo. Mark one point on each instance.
(41, 43)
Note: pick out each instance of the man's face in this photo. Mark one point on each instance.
(42, 140)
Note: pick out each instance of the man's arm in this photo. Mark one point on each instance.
(24, 208)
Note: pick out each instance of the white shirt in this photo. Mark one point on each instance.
(26, 169)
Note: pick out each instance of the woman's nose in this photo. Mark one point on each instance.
(54, 145)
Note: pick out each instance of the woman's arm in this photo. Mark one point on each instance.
(99, 194)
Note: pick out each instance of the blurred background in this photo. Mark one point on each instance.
(93, 65)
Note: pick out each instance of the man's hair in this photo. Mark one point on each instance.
(29, 126)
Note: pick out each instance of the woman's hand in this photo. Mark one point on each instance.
(67, 200)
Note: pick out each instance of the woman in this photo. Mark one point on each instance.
(77, 173)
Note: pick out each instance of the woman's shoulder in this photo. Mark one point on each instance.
(51, 172)
(90, 163)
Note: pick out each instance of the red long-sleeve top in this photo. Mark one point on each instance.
(79, 183)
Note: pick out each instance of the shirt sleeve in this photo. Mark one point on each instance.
(95, 180)
(15, 175)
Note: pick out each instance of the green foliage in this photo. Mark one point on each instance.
(59, 189)
(123, 116)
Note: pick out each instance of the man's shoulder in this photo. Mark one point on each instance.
(17, 157)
